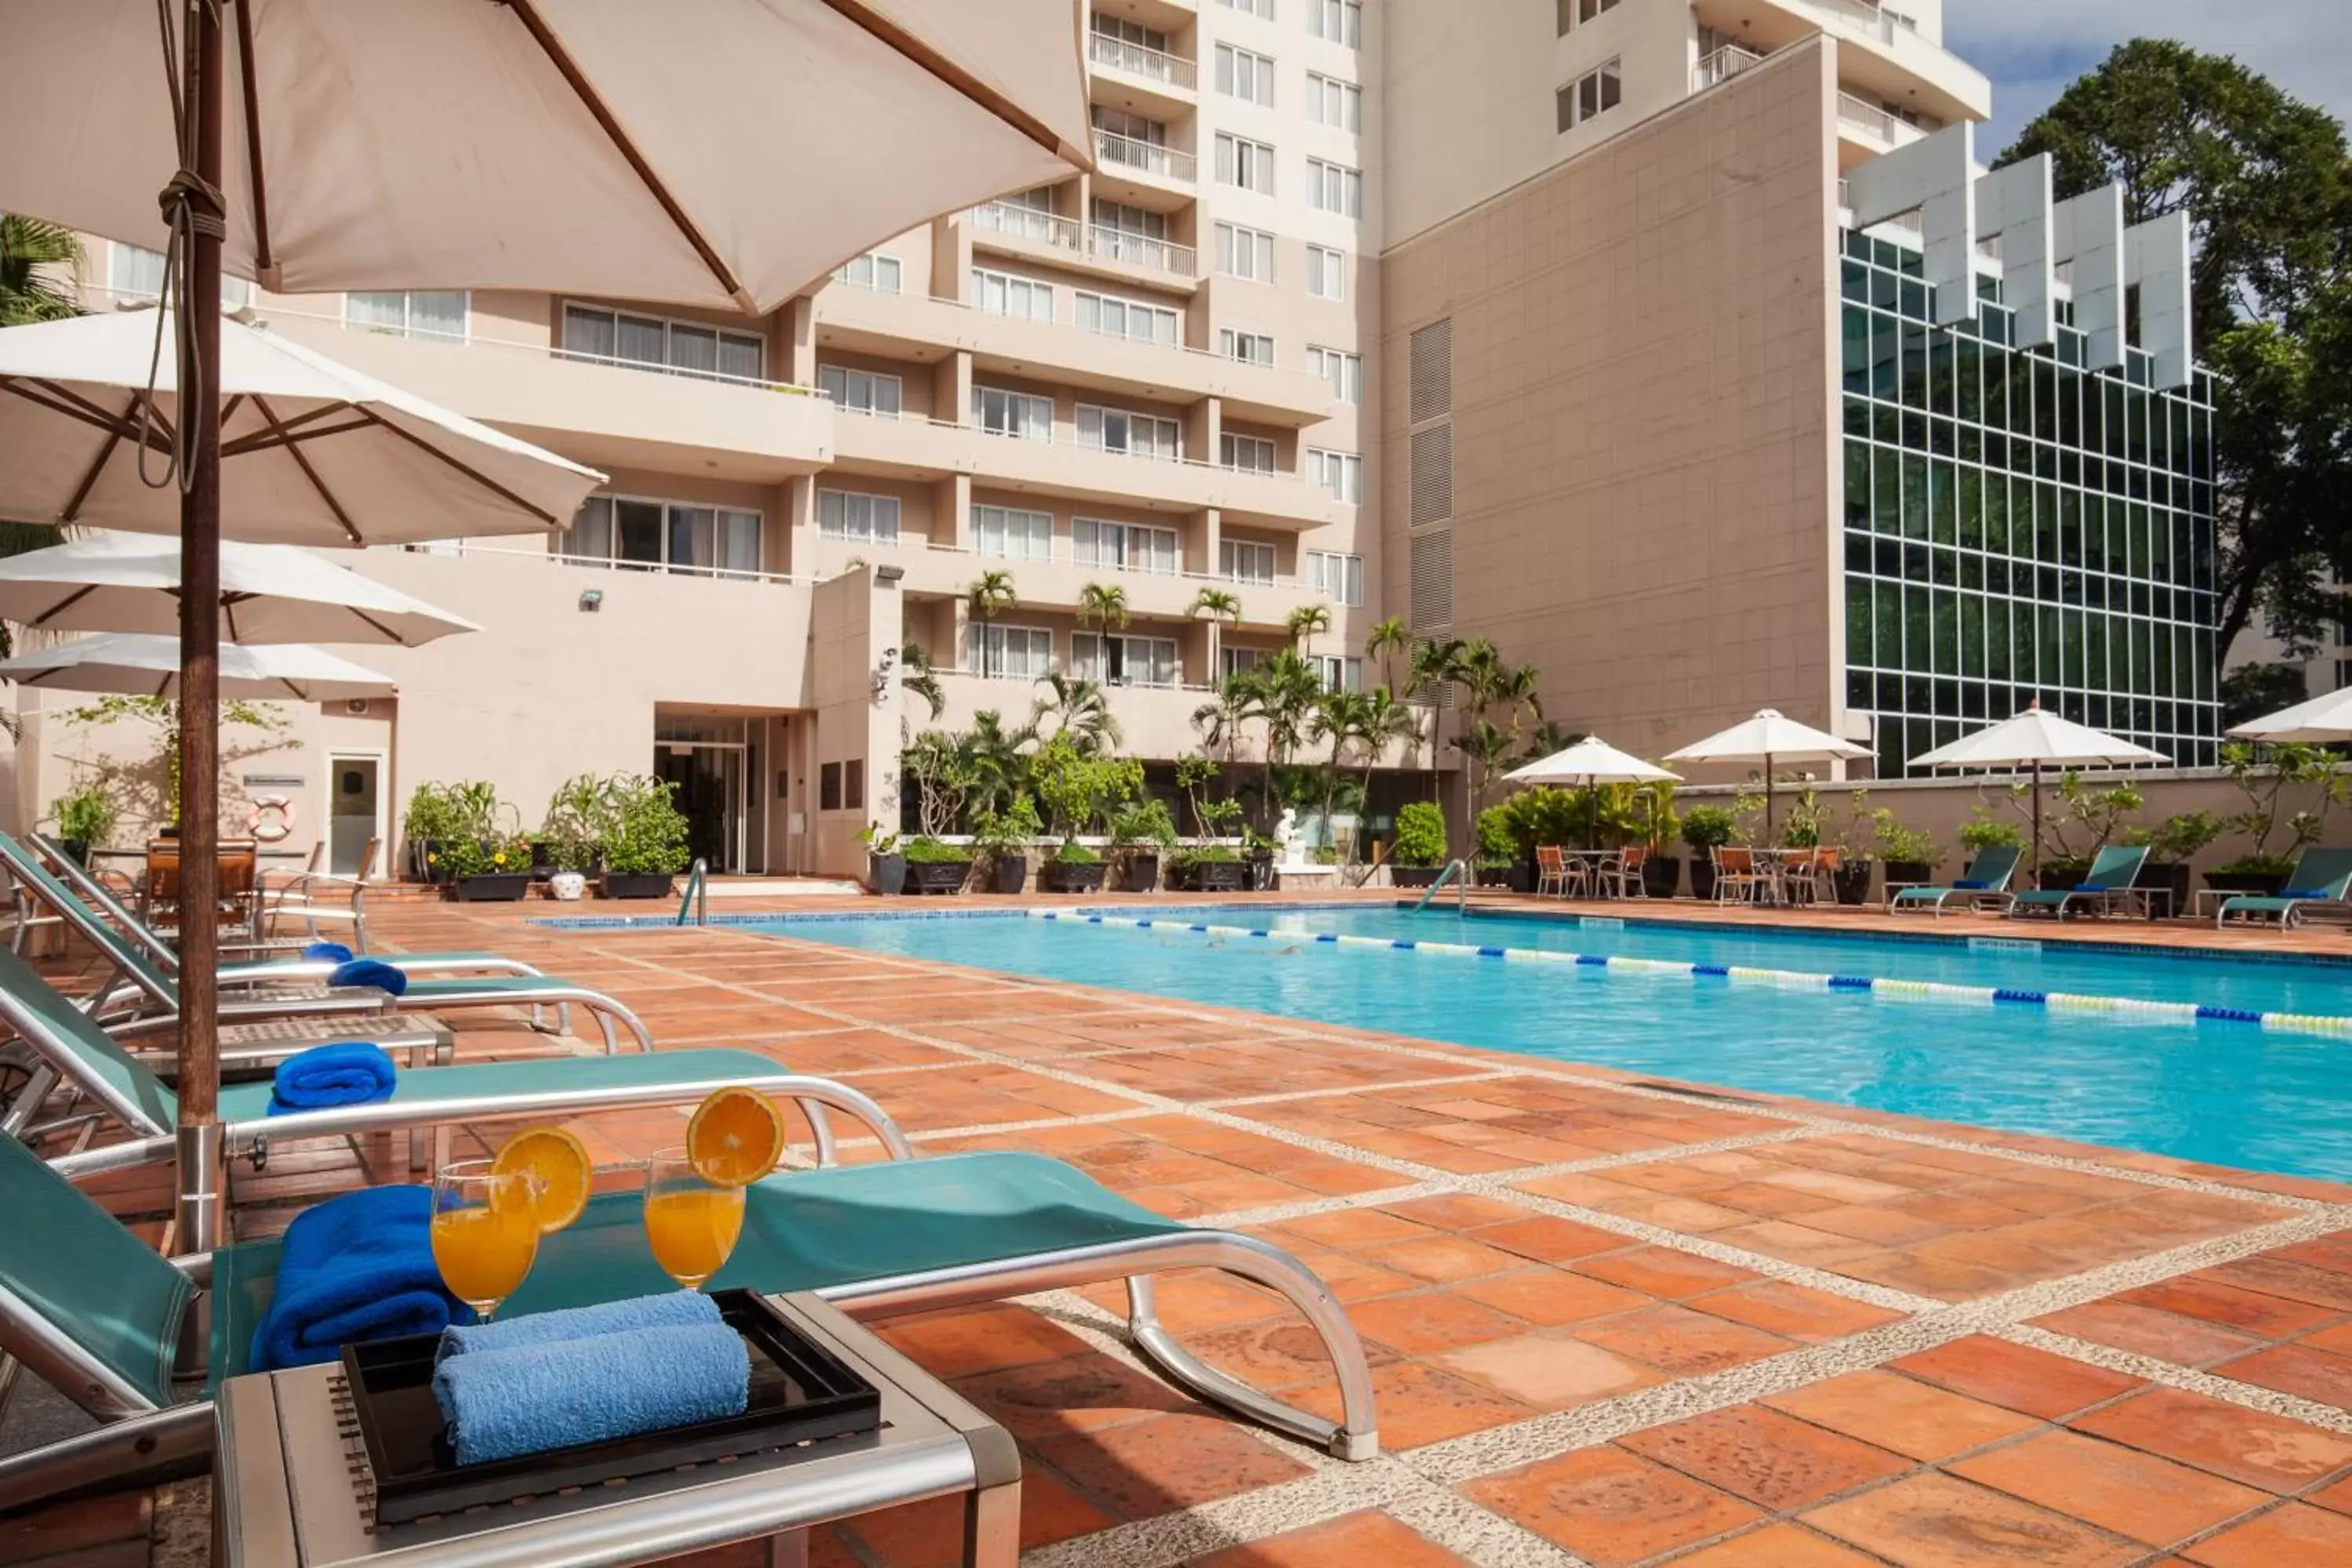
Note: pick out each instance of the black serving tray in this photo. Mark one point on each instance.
(799, 1392)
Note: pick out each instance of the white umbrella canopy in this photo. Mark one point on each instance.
(2328, 718)
(2035, 739)
(312, 452)
(140, 666)
(1770, 736)
(722, 153)
(1590, 760)
(269, 594)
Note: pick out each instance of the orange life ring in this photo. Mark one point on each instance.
(271, 819)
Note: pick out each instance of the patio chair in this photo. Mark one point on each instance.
(1621, 877)
(1984, 887)
(100, 1319)
(1736, 875)
(315, 894)
(1552, 872)
(2104, 888)
(1810, 878)
(139, 996)
(2316, 885)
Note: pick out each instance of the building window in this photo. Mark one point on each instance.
(1007, 653)
(1337, 21)
(1261, 9)
(1335, 188)
(1002, 294)
(133, 273)
(643, 343)
(1588, 96)
(851, 514)
(853, 784)
(1245, 253)
(1013, 534)
(828, 787)
(1345, 371)
(1135, 435)
(879, 273)
(1117, 318)
(1250, 348)
(1246, 454)
(1339, 578)
(1244, 75)
(1127, 32)
(860, 391)
(1124, 661)
(1335, 103)
(1245, 560)
(1573, 12)
(639, 535)
(1327, 272)
(1244, 163)
(1239, 660)
(1338, 672)
(1342, 473)
(1131, 127)
(410, 314)
(1020, 415)
(1124, 546)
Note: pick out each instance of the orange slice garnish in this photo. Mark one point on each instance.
(736, 1137)
(561, 1170)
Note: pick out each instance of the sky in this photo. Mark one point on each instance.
(2033, 48)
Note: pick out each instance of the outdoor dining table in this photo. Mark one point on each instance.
(1594, 861)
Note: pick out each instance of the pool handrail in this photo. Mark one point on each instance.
(1462, 888)
(697, 893)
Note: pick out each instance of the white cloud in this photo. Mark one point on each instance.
(2033, 48)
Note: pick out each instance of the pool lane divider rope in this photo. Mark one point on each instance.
(2185, 1012)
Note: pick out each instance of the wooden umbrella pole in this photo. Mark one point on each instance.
(202, 1168)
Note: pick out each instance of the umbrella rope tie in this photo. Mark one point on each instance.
(191, 206)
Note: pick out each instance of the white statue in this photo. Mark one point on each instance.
(1293, 842)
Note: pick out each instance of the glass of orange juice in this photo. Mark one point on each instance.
(691, 1223)
(485, 1231)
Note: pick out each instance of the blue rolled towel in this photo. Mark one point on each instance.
(501, 1403)
(369, 972)
(2306, 893)
(327, 952)
(2093, 887)
(349, 1072)
(670, 1310)
(1967, 886)
(359, 1266)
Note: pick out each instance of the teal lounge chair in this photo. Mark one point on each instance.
(141, 996)
(2317, 883)
(1986, 883)
(100, 1318)
(2107, 887)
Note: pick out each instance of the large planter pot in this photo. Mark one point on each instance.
(1702, 877)
(1918, 873)
(1260, 869)
(937, 876)
(1850, 882)
(543, 860)
(2063, 876)
(421, 853)
(1518, 876)
(2260, 884)
(885, 874)
(1413, 876)
(637, 884)
(1008, 873)
(1216, 876)
(500, 889)
(76, 850)
(1662, 876)
(2172, 877)
(1140, 873)
(567, 887)
(1074, 875)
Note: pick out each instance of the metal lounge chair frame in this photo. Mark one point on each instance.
(1994, 867)
(2333, 869)
(2107, 884)
(148, 999)
(1736, 871)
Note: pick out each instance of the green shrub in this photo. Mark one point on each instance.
(461, 858)
(2177, 839)
(645, 833)
(1980, 833)
(1072, 853)
(1707, 827)
(85, 814)
(1499, 845)
(1010, 832)
(925, 851)
(1420, 834)
(1901, 845)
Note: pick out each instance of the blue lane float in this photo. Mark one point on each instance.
(2186, 1013)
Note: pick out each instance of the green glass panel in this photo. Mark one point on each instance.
(1917, 631)
(1857, 484)
(1887, 625)
(1943, 501)
(1972, 642)
(1914, 496)
(1997, 665)
(1972, 501)
(1948, 632)
(1857, 620)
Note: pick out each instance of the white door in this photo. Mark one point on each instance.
(355, 810)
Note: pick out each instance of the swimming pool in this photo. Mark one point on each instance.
(2230, 1092)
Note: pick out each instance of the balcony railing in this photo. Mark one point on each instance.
(1724, 64)
(1148, 157)
(1875, 123)
(1153, 65)
(1028, 222)
(1863, 15)
(1107, 244)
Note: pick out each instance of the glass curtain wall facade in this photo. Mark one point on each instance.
(2017, 527)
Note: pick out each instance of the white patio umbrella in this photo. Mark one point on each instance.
(611, 147)
(2036, 739)
(269, 594)
(313, 452)
(142, 666)
(1771, 735)
(2322, 719)
(1591, 760)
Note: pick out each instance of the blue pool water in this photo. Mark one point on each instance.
(2228, 1092)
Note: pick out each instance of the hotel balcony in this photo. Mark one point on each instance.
(1865, 129)
(1017, 230)
(1881, 56)
(1143, 174)
(1148, 80)
(895, 326)
(607, 413)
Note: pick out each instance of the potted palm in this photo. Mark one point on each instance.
(943, 771)
(1909, 855)
(85, 817)
(1498, 863)
(885, 867)
(1418, 849)
(1144, 833)
(933, 867)
(1655, 823)
(578, 815)
(1850, 882)
(429, 822)
(645, 844)
(1705, 828)
(1212, 866)
(1078, 787)
(1004, 836)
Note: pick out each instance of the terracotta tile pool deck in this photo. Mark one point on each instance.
(1611, 1321)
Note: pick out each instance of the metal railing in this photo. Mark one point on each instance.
(1875, 121)
(1155, 65)
(1108, 244)
(1151, 157)
(697, 894)
(1029, 224)
(1458, 873)
(1724, 64)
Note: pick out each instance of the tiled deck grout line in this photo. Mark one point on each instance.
(2174, 1374)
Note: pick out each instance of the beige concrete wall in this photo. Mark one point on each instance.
(854, 621)
(1642, 415)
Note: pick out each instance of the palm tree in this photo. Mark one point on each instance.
(1000, 767)
(1219, 608)
(1520, 693)
(991, 595)
(1384, 642)
(1386, 719)
(1307, 620)
(32, 255)
(918, 675)
(1220, 719)
(1103, 604)
(1483, 746)
(1436, 666)
(1282, 693)
(1342, 718)
(1546, 737)
(1079, 709)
